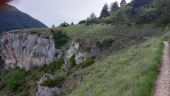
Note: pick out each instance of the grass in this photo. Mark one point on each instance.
(130, 72)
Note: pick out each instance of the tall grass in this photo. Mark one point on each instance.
(131, 72)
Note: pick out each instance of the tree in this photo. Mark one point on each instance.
(65, 24)
(105, 12)
(139, 3)
(60, 38)
(163, 10)
(53, 26)
(123, 3)
(114, 6)
(72, 23)
(92, 18)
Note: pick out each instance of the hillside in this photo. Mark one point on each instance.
(115, 55)
(12, 19)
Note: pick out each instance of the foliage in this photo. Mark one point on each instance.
(87, 62)
(1, 63)
(60, 38)
(72, 23)
(24, 93)
(162, 8)
(114, 6)
(52, 67)
(57, 81)
(134, 77)
(139, 3)
(105, 42)
(92, 19)
(65, 24)
(82, 21)
(104, 12)
(15, 79)
(73, 61)
(123, 3)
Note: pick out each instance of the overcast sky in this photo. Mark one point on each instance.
(57, 11)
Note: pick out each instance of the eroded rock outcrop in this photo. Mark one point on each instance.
(26, 49)
(74, 50)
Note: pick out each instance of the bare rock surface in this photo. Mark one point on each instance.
(26, 49)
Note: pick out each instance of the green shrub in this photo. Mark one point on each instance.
(61, 74)
(24, 93)
(64, 24)
(57, 82)
(60, 38)
(72, 61)
(105, 42)
(158, 56)
(82, 21)
(15, 79)
(89, 61)
(52, 67)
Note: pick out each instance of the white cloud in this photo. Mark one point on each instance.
(58, 11)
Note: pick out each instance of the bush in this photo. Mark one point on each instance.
(61, 74)
(64, 24)
(88, 61)
(82, 21)
(24, 93)
(72, 61)
(105, 42)
(57, 82)
(15, 79)
(52, 67)
(60, 38)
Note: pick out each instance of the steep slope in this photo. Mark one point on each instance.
(11, 19)
(131, 72)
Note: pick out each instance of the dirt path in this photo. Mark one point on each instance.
(162, 87)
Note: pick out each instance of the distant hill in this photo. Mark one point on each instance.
(11, 19)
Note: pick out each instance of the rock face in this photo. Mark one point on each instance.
(26, 49)
(74, 50)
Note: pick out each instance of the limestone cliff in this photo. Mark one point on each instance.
(26, 49)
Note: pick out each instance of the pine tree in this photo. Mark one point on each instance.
(72, 23)
(123, 3)
(53, 26)
(139, 3)
(105, 11)
(114, 6)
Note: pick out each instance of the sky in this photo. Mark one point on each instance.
(58, 11)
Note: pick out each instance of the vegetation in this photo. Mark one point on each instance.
(15, 79)
(52, 67)
(105, 11)
(133, 76)
(64, 24)
(114, 6)
(60, 38)
(60, 76)
(87, 62)
(125, 68)
(123, 3)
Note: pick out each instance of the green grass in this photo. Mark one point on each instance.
(130, 72)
